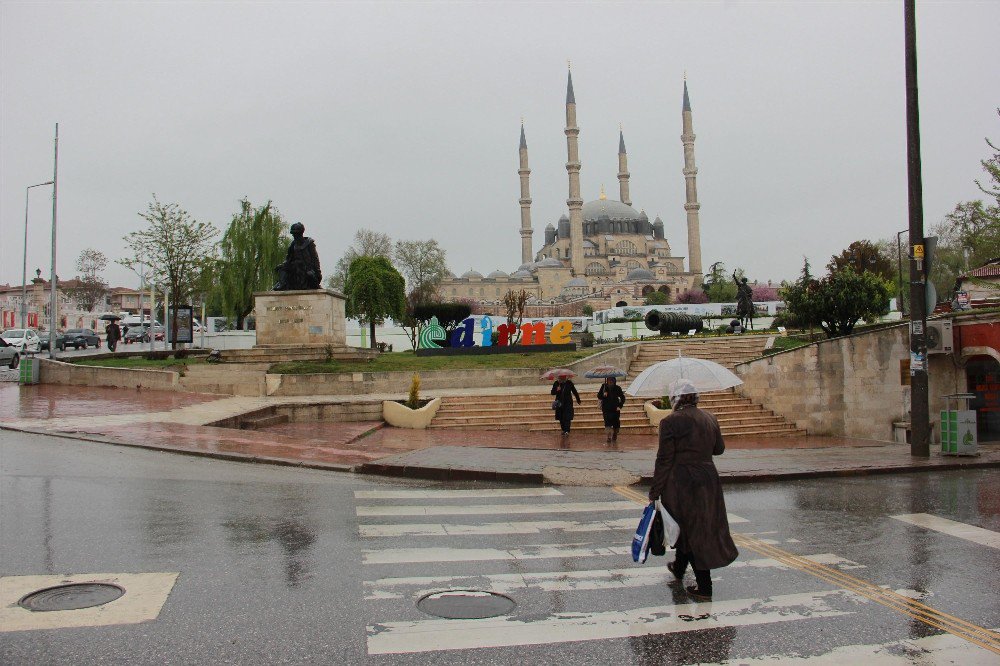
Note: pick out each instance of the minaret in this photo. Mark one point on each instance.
(623, 173)
(691, 204)
(575, 203)
(523, 171)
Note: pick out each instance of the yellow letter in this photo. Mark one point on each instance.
(559, 335)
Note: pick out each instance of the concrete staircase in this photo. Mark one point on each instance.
(247, 379)
(728, 352)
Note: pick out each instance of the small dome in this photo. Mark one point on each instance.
(550, 226)
(551, 262)
(643, 216)
(521, 273)
(470, 274)
(564, 216)
(657, 222)
(577, 282)
(639, 274)
(497, 274)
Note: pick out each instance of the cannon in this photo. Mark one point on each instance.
(673, 322)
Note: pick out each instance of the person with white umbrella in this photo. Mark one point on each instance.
(686, 481)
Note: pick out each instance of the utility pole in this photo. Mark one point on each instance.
(53, 296)
(919, 409)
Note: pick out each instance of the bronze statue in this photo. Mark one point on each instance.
(301, 267)
(744, 303)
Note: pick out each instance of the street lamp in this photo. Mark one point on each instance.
(24, 265)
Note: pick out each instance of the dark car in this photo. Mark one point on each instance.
(80, 338)
(44, 341)
(140, 332)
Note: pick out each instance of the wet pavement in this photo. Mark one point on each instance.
(272, 565)
(48, 401)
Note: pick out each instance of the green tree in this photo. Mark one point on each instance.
(375, 292)
(423, 265)
(587, 310)
(251, 247)
(175, 249)
(863, 256)
(839, 301)
(657, 298)
(367, 243)
(718, 286)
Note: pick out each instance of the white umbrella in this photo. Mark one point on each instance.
(705, 375)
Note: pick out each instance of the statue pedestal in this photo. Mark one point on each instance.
(306, 317)
(305, 325)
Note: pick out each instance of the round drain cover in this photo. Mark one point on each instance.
(71, 596)
(465, 604)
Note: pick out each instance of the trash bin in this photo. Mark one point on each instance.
(958, 426)
(28, 370)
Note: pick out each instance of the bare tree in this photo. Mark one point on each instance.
(423, 265)
(514, 302)
(176, 249)
(90, 289)
(367, 243)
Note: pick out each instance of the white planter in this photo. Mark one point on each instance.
(655, 414)
(400, 416)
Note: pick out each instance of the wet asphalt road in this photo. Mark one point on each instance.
(273, 566)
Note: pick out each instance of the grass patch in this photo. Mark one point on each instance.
(409, 362)
(785, 343)
(140, 363)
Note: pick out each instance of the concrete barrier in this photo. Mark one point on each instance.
(354, 383)
(69, 374)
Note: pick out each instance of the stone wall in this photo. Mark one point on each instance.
(353, 383)
(308, 317)
(848, 387)
(58, 372)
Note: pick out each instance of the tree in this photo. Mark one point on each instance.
(841, 299)
(514, 302)
(763, 293)
(719, 287)
(251, 247)
(863, 256)
(587, 310)
(423, 265)
(367, 243)
(375, 292)
(657, 298)
(90, 289)
(175, 249)
(991, 166)
(692, 296)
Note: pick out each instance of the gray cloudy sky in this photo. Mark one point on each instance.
(404, 117)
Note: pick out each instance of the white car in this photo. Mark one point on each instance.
(22, 339)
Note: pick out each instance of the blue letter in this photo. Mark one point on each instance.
(487, 325)
(464, 335)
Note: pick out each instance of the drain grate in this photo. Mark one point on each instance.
(71, 596)
(465, 604)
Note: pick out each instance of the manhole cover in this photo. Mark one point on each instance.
(465, 604)
(71, 596)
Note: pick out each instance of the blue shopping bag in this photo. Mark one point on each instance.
(640, 542)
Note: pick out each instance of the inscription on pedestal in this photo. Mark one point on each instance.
(306, 317)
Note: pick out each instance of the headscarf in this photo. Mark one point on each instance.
(682, 393)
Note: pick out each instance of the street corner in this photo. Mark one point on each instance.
(142, 599)
(587, 476)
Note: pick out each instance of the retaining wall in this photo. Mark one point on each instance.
(58, 372)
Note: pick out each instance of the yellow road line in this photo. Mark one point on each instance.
(985, 638)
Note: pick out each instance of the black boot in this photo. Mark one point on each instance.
(703, 590)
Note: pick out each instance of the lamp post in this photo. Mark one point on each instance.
(24, 265)
(54, 297)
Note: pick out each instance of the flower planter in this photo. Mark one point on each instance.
(400, 416)
(655, 414)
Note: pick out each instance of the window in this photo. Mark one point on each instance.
(626, 248)
(595, 268)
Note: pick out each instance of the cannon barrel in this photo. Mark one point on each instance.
(673, 322)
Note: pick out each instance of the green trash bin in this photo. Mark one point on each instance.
(958, 427)
(28, 370)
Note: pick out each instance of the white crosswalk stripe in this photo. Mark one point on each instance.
(456, 494)
(494, 509)
(953, 528)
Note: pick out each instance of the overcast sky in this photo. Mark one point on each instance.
(404, 117)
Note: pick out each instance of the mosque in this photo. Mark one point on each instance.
(603, 253)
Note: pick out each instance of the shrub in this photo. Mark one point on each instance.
(413, 402)
(448, 314)
(587, 339)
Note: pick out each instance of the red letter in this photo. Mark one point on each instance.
(533, 334)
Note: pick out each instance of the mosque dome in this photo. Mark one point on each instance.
(497, 274)
(611, 209)
(521, 273)
(551, 262)
(637, 274)
(471, 274)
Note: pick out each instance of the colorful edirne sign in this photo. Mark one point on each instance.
(533, 333)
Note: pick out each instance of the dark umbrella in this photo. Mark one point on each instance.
(109, 317)
(605, 371)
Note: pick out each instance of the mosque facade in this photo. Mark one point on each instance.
(603, 253)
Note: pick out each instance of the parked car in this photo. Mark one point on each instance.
(140, 333)
(80, 338)
(9, 355)
(44, 339)
(22, 339)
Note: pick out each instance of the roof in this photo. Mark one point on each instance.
(577, 282)
(471, 274)
(524, 144)
(570, 97)
(687, 100)
(621, 142)
(640, 274)
(497, 274)
(614, 210)
(990, 269)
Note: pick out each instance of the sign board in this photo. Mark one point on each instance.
(918, 251)
(904, 372)
(185, 324)
(916, 327)
(962, 300)
(958, 432)
(918, 363)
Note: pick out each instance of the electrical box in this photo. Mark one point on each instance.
(940, 339)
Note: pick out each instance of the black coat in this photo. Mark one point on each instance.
(612, 399)
(686, 481)
(564, 393)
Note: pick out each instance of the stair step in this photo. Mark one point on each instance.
(259, 422)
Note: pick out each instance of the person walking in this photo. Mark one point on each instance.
(612, 399)
(686, 481)
(114, 333)
(564, 390)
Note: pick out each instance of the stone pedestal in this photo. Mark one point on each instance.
(306, 317)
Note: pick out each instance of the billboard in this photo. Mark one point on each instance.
(185, 324)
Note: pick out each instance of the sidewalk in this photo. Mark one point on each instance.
(176, 422)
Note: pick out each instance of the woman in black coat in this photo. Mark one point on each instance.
(564, 390)
(612, 400)
(686, 481)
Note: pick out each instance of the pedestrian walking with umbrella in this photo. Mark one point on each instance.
(685, 479)
(611, 397)
(112, 330)
(564, 391)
